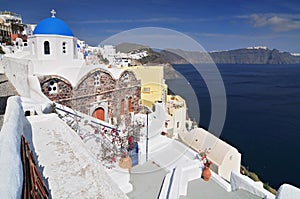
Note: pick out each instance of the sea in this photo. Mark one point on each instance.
(262, 116)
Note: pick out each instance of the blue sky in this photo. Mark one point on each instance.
(215, 24)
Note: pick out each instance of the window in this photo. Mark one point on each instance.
(177, 124)
(166, 124)
(96, 79)
(125, 77)
(52, 87)
(46, 48)
(146, 90)
(64, 47)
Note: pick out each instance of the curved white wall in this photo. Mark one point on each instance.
(11, 170)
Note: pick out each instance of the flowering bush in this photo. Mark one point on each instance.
(203, 155)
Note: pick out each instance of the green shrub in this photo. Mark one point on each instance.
(269, 188)
(255, 178)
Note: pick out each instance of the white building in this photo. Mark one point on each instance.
(28, 29)
(108, 52)
(176, 115)
(118, 58)
(56, 39)
(11, 17)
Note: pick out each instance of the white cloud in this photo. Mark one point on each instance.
(277, 22)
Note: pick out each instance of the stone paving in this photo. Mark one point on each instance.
(6, 90)
(70, 168)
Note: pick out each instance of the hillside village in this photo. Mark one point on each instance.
(100, 124)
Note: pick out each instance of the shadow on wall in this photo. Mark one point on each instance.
(15, 125)
(3, 103)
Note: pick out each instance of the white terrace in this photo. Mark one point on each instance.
(169, 170)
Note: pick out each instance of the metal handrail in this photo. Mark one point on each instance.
(170, 183)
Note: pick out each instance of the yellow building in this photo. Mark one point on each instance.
(153, 87)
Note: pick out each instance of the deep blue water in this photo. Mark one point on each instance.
(262, 119)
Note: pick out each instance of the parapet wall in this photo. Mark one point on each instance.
(11, 171)
(20, 74)
(17, 72)
(225, 158)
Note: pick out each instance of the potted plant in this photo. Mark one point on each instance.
(125, 162)
(206, 173)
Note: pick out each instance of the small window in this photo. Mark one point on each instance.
(146, 90)
(177, 124)
(166, 124)
(46, 48)
(125, 77)
(96, 79)
(52, 87)
(64, 47)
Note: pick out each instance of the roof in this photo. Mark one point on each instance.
(53, 26)
(77, 71)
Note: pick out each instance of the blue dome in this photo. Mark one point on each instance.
(53, 26)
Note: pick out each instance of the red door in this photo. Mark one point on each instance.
(99, 114)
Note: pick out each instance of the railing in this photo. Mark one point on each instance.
(33, 184)
(81, 117)
(68, 112)
(161, 187)
(105, 141)
(170, 183)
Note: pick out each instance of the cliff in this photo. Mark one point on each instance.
(153, 58)
(239, 56)
(254, 56)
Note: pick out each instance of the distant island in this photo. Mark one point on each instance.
(253, 55)
(250, 55)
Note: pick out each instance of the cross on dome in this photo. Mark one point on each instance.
(53, 12)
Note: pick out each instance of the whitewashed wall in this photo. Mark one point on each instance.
(225, 157)
(11, 171)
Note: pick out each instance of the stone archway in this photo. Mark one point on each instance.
(99, 113)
